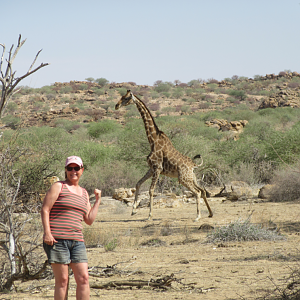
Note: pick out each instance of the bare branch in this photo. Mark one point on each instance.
(1, 62)
(34, 61)
(9, 82)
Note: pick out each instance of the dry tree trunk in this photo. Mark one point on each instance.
(7, 77)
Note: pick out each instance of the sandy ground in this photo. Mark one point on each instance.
(233, 270)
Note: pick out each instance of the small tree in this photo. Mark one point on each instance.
(238, 94)
(7, 77)
(90, 79)
(102, 81)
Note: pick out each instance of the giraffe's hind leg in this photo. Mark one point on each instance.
(137, 188)
(197, 191)
(155, 176)
(203, 196)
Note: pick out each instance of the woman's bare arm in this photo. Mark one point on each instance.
(90, 217)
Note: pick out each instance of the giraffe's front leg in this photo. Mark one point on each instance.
(137, 188)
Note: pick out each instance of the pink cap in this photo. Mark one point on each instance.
(74, 160)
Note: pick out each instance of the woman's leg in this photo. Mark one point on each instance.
(61, 273)
(81, 275)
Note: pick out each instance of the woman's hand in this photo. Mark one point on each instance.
(49, 239)
(97, 195)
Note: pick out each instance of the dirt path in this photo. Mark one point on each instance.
(235, 270)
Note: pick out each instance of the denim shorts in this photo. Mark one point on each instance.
(65, 252)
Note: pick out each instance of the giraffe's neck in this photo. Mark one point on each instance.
(151, 128)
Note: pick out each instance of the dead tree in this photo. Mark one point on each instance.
(7, 76)
(20, 233)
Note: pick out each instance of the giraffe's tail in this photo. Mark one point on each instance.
(196, 157)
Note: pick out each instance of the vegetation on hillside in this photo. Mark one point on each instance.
(113, 143)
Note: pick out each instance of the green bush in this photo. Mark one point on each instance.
(239, 94)
(122, 91)
(98, 92)
(11, 107)
(102, 81)
(162, 87)
(46, 89)
(107, 178)
(66, 89)
(96, 129)
(83, 86)
(178, 93)
(67, 125)
(11, 121)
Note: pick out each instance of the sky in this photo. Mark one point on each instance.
(143, 41)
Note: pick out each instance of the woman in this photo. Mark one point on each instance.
(65, 205)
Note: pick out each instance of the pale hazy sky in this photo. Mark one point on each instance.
(148, 40)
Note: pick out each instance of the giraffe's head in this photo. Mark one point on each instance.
(127, 99)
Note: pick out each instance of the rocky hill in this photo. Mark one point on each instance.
(83, 101)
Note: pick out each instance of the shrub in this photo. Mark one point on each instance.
(97, 129)
(11, 121)
(106, 178)
(99, 92)
(67, 125)
(96, 114)
(238, 94)
(46, 89)
(162, 87)
(239, 231)
(154, 94)
(11, 106)
(102, 81)
(50, 96)
(178, 93)
(111, 245)
(195, 82)
(286, 184)
(66, 89)
(186, 108)
(83, 86)
(212, 80)
(122, 91)
(205, 105)
(94, 238)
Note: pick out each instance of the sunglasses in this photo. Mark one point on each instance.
(71, 168)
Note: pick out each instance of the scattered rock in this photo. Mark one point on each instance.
(206, 227)
(265, 191)
(123, 194)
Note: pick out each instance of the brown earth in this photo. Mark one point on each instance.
(231, 270)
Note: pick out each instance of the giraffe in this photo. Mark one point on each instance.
(163, 159)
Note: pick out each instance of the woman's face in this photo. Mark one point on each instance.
(73, 171)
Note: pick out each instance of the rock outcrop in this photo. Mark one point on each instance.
(284, 98)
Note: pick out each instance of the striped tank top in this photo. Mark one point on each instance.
(67, 214)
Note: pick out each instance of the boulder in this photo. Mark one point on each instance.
(123, 193)
(239, 190)
(224, 125)
(265, 191)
